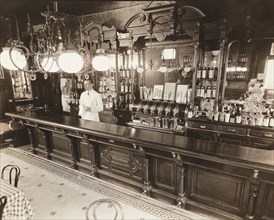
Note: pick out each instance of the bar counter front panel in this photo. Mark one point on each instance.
(225, 180)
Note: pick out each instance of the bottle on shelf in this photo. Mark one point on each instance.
(122, 86)
(214, 90)
(232, 116)
(199, 72)
(211, 72)
(126, 86)
(129, 86)
(110, 102)
(208, 91)
(227, 113)
(198, 90)
(202, 91)
(204, 72)
(271, 119)
(76, 97)
(238, 114)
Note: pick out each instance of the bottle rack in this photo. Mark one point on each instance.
(126, 78)
(159, 115)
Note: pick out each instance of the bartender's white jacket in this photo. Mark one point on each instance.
(93, 100)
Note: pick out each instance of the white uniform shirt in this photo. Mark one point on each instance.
(93, 100)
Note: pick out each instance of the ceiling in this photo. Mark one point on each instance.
(214, 9)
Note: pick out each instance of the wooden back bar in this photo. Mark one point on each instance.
(223, 180)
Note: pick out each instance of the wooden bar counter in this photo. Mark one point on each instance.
(225, 180)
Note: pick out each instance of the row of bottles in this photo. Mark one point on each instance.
(207, 72)
(206, 89)
(238, 69)
(126, 85)
(124, 101)
(164, 122)
(124, 72)
(74, 97)
(235, 113)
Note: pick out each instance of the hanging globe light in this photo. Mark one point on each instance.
(50, 65)
(70, 61)
(13, 60)
(101, 62)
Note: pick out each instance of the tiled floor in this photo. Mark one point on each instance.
(57, 193)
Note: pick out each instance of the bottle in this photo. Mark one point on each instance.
(73, 98)
(126, 86)
(271, 120)
(232, 116)
(214, 90)
(216, 114)
(129, 86)
(211, 72)
(199, 72)
(189, 112)
(227, 113)
(238, 114)
(204, 70)
(76, 98)
(208, 91)
(202, 93)
(122, 86)
(266, 119)
(198, 92)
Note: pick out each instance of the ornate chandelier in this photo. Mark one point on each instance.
(50, 49)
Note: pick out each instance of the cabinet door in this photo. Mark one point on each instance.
(199, 134)
(262, 143)
(232, 139)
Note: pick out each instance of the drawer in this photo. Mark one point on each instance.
(201, 125)
(233, 130)
(264, 134)
(262, 144)
(232, 139)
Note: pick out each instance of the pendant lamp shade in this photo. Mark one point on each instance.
(9, 58)
(50, 65)
(70, 61)
(101, 62)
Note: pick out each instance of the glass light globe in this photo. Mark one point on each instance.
(162, 69)
(17, 57)
(70, 62)
(101, 63)
(50, 65)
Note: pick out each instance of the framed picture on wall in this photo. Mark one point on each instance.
(169, 91)
(181, 93)
(158, 91)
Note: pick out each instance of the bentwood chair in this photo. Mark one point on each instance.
(116, 212)
(3, 201)
(14, 174)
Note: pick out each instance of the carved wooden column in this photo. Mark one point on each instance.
(94, 168)
(220, 69)
(72, 150)
(181, 200)
(47, 146)
(181, 188)
(194, 76)
(147, 187)
(32, 141)
(253, 194)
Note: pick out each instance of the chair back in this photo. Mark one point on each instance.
(102, 207)
(14, 174)
(3, 202)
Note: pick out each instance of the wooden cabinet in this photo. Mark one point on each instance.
(222, 180)
(250, 136)
(263, 138)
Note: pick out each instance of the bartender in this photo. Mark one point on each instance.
(90, 103)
